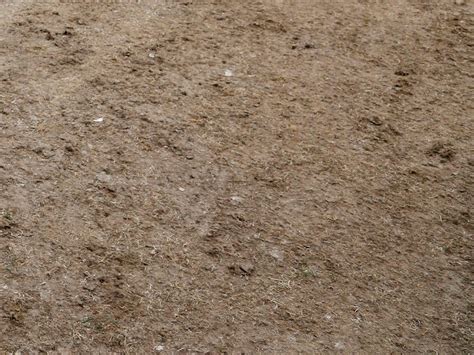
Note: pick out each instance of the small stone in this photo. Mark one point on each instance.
(247, 268)
(276, 254)
(159, 348)
(103, 177)
(236, 200)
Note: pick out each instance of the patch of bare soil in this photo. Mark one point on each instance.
(221, 176)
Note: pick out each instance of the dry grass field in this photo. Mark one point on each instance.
(236, 176)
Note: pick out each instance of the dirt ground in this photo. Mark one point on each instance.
(236, 176)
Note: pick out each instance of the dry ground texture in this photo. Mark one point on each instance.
(221, 176)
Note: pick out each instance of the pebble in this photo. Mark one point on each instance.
(247, 268)
(159, 348)
(103, 177)
(276, 254)
(236, 200)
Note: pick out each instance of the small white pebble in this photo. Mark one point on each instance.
(228, 73)
(159, 348)
(103, 177)
(181, 189)
(236, 199)
(99, 119)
